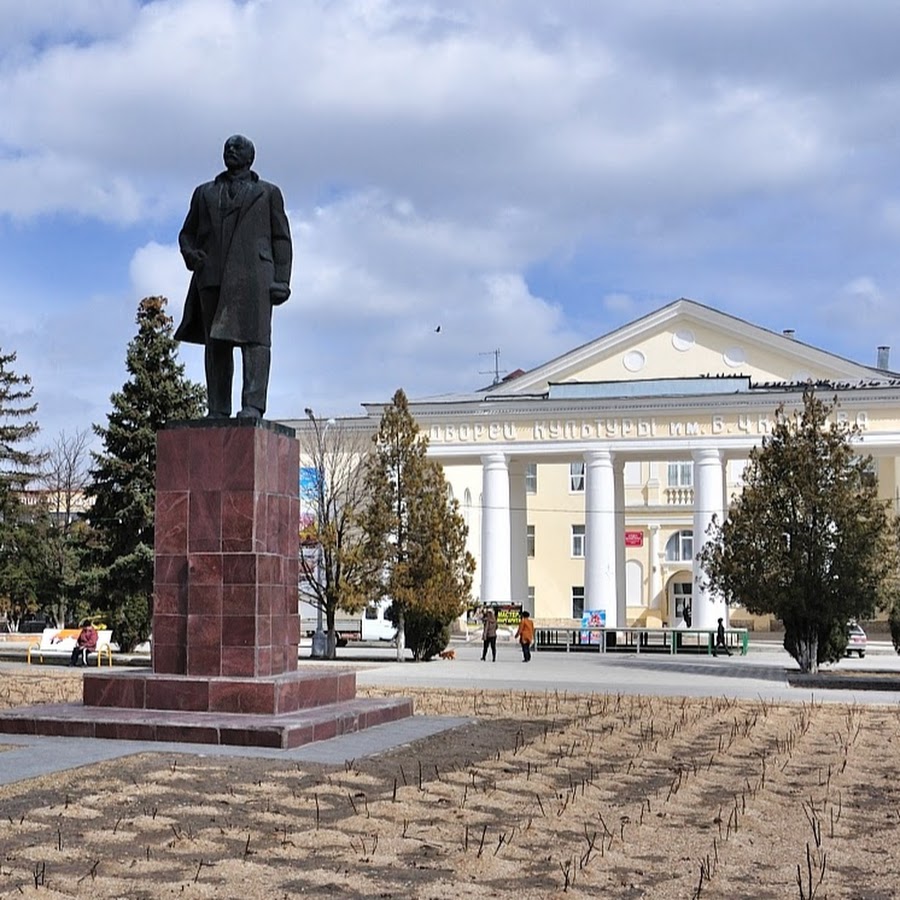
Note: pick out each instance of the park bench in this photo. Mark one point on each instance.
(60, 642)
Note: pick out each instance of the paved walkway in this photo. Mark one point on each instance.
(761, 674)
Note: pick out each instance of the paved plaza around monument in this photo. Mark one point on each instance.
(763, 673)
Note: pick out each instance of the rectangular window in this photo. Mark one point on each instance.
(530, 478)
(531, 598)
(577, 601)
(529, 541)
(576, 477)
(681, 474)
(578, 541)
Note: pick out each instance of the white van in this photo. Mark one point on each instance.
(375, 627)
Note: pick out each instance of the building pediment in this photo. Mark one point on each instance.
(692, 341)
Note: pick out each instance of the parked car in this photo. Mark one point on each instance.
(34, 624)
(856, 640)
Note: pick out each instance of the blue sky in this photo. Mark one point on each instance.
(528, 175)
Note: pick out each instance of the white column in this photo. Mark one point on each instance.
(495, 530)
(619, 494)
(656, 574)
(709, 500)
(600, 535)
(518, 514)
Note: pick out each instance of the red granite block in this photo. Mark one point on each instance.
(323, 731)
(298, 736)
(263, 630)
(248, 697)
(114, 690)
(267, 568)
(173, 459)
(204, 660)
(19, 725)
(288, 463)
(204, 600)
(346, 688)
(238, 661)
(239, 599)
(260, 535)
(206, 458)
(239, 459)
(125, 731)
(274, 525)
(286, 694)
(186, 733)
(205, 568)
(183, 694)
(238, 631)
(239, 568)
(169, 600)
(264, 662)
(168, 659)
(171, 523)
(252, 737)
(205, 522)
(170, 569)
(239, 525)
(262, 603)
(169, 629)
(204, 631)
(76, 728)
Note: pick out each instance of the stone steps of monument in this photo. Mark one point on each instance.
(285, 731)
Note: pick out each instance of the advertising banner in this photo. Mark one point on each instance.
(592, 618)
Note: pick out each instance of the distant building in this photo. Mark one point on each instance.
(588, 483)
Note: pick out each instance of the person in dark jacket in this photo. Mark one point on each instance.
(489, 635)
(237, 242)
(720, 640)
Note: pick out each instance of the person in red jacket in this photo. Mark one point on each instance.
(86, 643)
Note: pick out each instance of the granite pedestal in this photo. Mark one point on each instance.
(225, 619)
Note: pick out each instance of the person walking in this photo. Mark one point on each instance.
(720, 640)
(489, 635)
(525, 634)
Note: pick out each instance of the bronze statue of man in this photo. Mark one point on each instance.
(237, 242)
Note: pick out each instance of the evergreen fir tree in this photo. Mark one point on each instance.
(807, 540)
(416, 534)
(22, 557)
(123, 476)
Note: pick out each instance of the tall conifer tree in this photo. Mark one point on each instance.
(123, 476)
(415, 531)
(808, 539)
(22, 559)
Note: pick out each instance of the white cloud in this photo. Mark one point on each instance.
(435, 156)
(157, 270)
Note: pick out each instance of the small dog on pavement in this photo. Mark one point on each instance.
(447, 654)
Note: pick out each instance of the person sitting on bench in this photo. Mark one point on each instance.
(86, 643)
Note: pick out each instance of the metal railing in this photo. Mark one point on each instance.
(640, 640)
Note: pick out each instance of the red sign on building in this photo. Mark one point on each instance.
(634, 538)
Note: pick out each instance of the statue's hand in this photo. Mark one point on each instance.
(279, 292)
(194, 259)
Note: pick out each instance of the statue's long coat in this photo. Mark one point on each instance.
(243, 265)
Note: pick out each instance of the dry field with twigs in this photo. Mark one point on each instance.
(544, 795)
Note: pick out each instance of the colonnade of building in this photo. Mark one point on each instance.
(503, 564)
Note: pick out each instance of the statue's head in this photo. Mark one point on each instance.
(239, 152)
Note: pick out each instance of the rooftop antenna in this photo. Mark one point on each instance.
(496, 371)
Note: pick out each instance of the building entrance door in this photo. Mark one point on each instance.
(680, 611)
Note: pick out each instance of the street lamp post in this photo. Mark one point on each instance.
(319, 640)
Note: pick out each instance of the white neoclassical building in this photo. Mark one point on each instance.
(588, 483)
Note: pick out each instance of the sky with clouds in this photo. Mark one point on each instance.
(528, 175)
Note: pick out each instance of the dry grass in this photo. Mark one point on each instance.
(548, 795)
